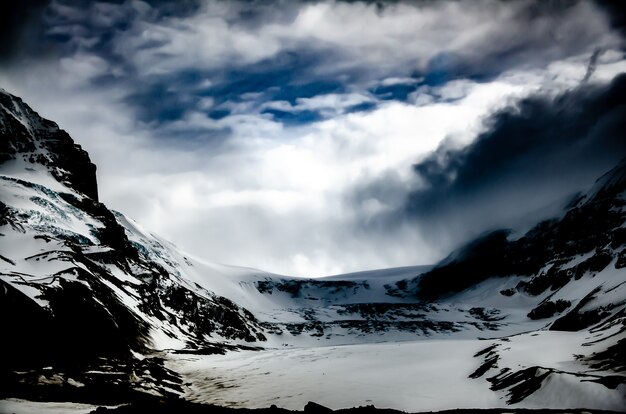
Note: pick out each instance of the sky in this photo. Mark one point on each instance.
(320, 137)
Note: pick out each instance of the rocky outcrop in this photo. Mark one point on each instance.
(82, 302)
(593, 226)
(27, 137)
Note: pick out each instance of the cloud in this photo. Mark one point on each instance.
(615, 13)
(282, 135)
(321, 106)
(165, 51)
(537, 152)
(18, 21)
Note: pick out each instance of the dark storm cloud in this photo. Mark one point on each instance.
(593, 65)
(19, 23)
(96, 27)
(524, 33)
(616, 14)
(539, 31)
(549, 146)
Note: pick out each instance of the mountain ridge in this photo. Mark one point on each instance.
(25, 136)
(106, 307)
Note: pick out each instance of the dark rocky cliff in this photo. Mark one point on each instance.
(25, 136)
(594, 224)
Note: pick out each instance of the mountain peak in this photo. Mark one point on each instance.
(612, 183)
(30, 142)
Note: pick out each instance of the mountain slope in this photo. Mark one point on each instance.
(100, 310)
(536, 322)
(573, 264)
(29, 139)
(75, 288)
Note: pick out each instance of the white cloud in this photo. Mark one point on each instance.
(327, 105)
(333, 101)
(400, 81)
(396, 39)
(279, 199)
(287, 199)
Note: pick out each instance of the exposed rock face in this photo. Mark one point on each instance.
(592, 227)
(82, 295)
(25, 136)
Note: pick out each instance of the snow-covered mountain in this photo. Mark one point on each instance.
(99, 309)
(80, 282)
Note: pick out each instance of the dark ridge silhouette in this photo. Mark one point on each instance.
(180, 406)
(593, 224)
(44, 143)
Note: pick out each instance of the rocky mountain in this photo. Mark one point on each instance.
(28, 139)
(100, 310)
(80, 291)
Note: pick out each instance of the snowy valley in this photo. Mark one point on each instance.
(97, 310)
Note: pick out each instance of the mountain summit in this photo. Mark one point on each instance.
(26, 139)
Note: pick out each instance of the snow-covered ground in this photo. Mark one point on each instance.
(18, 406)
(416, 369)
(410, 376)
